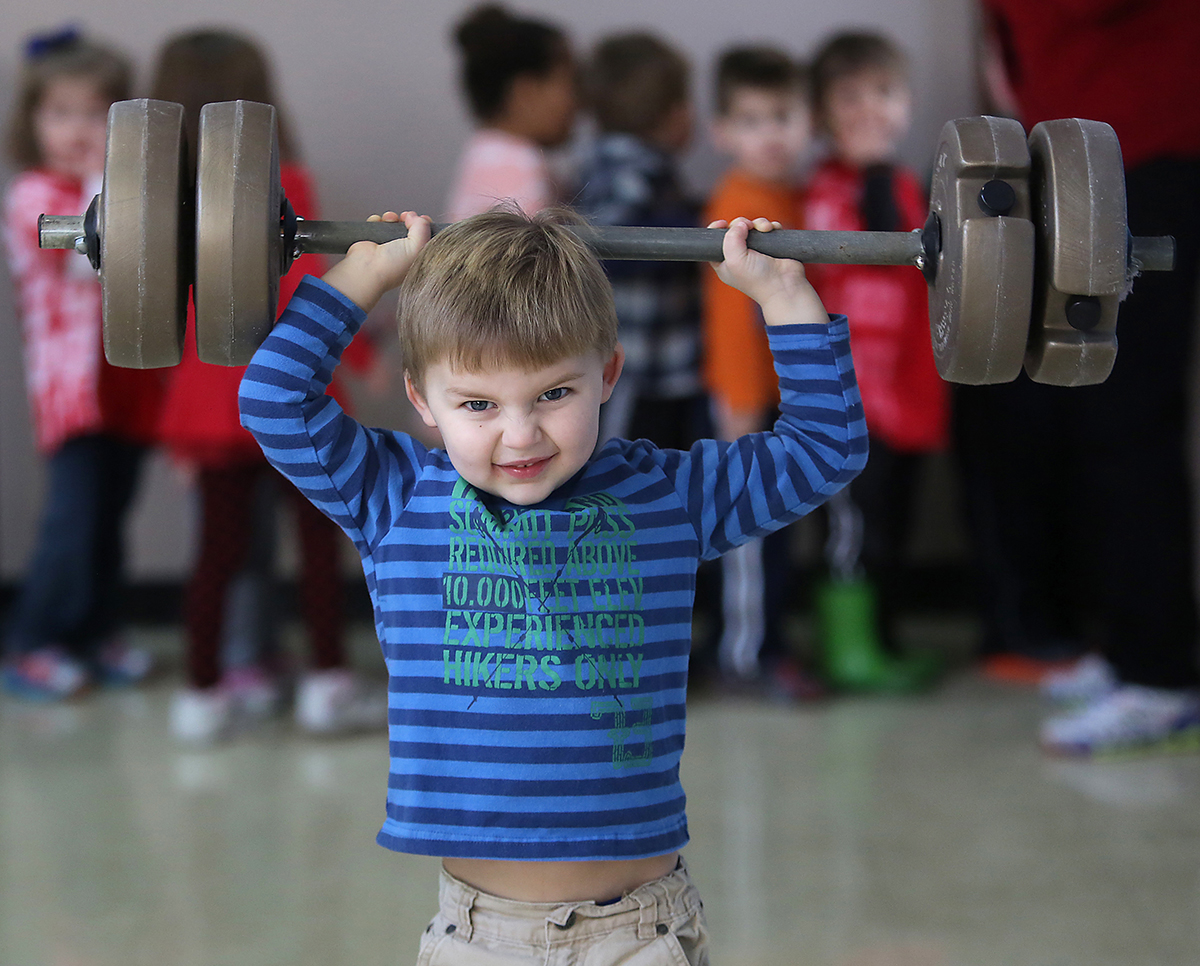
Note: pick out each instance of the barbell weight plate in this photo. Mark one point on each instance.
(144, 271)
(1077, 182)
(238, 196)
(982, 287)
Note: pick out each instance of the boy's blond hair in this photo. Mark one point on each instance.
(504, 288)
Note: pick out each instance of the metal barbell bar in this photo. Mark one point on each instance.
(316, 237)
(1010, 284)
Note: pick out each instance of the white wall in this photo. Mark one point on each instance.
(371, 90)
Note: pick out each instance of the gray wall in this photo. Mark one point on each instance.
(370, 89)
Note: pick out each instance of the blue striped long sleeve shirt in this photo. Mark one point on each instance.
(537, 655)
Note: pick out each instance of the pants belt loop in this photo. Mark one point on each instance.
(466, 927)
(647, 915)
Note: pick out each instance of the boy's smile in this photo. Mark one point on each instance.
(514, 432)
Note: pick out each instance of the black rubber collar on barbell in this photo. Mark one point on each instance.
(287, 221)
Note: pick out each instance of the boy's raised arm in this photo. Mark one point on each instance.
(778, 285)
(760, 482)
(369, 270)
(304, 433)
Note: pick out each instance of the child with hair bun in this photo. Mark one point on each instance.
(92, 421)
(519, 78)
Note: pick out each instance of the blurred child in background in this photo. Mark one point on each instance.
(200, 427)
(519, 78)
(638, 89)
(863, 104)
(92, 421)
(763, 124)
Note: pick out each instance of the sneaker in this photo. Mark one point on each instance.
(201, 716)
(120, 666)
(45, 674)
(255, 692)
(1129, 718)
(332, 702)
(1089, 678)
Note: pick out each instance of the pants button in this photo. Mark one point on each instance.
(662, 929)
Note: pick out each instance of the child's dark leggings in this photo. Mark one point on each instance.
(227, 505)
(72, 585)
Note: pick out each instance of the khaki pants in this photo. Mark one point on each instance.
(658, 924)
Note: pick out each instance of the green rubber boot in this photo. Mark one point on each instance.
(853, 655)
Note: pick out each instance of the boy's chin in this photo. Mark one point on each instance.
(519, 492)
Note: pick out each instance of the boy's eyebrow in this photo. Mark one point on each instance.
(470, 393)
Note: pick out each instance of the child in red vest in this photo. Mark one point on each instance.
(863, 104)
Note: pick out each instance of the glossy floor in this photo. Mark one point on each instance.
(897, 832)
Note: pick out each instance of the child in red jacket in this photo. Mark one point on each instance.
(863, 103)
(200, 428)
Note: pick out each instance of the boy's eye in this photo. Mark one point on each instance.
(478, 405)
(553, 395)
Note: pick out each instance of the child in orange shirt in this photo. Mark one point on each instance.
(763, 124)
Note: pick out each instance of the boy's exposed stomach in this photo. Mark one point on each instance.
(597, 881)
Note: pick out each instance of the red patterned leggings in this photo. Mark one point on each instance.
(226, 525)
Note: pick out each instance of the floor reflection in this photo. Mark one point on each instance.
(923, 832)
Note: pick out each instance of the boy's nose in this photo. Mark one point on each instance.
(521, 432)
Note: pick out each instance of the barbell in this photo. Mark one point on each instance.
(1026, 249)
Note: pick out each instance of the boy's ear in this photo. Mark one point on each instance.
(612, 371)
(418, 401)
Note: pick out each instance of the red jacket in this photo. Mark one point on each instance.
(200, 422)
(72, 390)
(905, 401)
(1132, 63)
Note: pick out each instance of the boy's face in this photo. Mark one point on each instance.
(515, 432)
(867, 114)
(765, 131)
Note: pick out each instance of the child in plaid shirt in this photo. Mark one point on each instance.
(637, 86)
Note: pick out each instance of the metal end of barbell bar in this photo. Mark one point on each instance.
(1153, 253)
(62, 231)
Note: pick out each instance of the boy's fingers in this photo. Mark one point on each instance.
(419, 226)
(720, 223)
(734, 242)
(764, 224)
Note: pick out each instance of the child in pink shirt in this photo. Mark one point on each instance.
(519, 78)
(91, 420)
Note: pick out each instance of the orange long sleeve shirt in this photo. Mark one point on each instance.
(738, 368)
